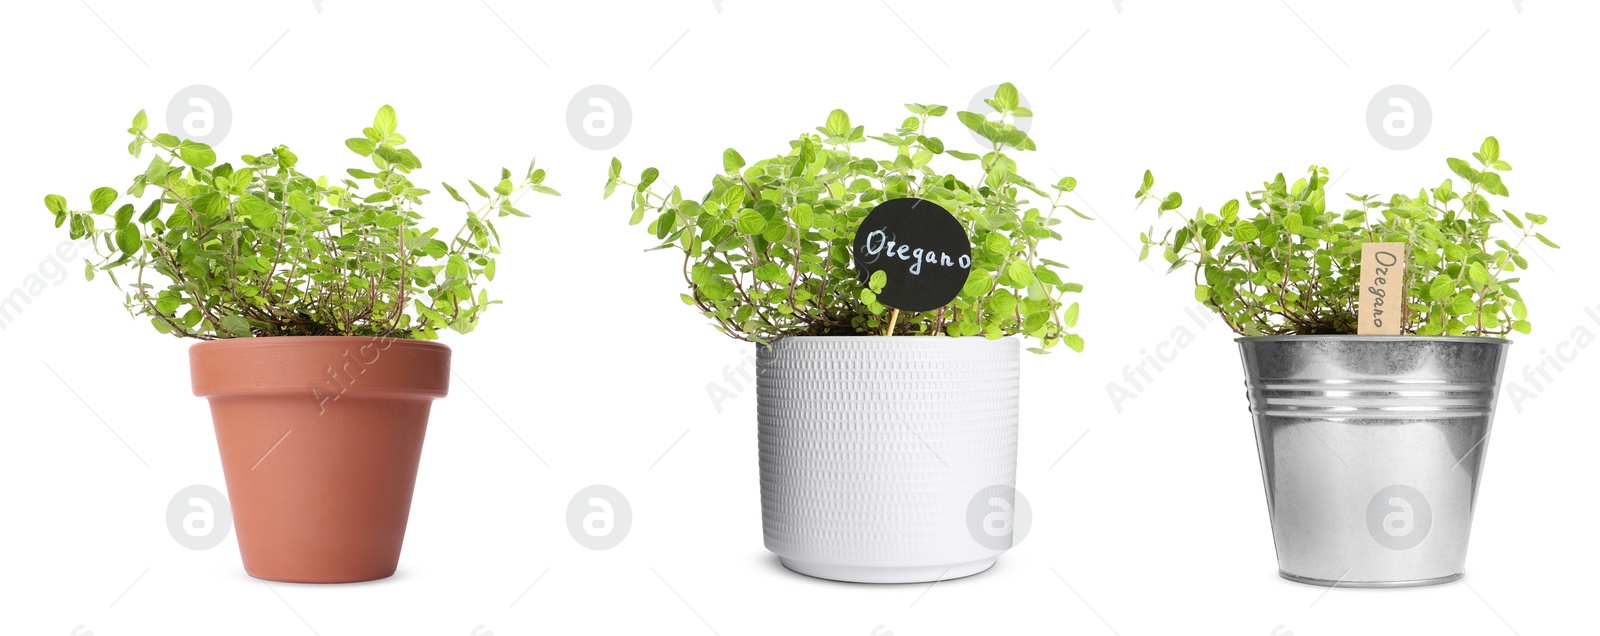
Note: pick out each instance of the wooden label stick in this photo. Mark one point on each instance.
(1382, 303)
(893, 316)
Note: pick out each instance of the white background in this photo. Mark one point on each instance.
(1153, 523)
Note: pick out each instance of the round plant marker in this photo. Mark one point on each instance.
(922, 250)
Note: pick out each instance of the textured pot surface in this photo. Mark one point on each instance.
(872, 449)
(1371, 451)
(320, 440)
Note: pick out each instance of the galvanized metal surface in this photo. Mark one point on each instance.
(1371, 449)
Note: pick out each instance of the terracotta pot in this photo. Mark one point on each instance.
(320, 439)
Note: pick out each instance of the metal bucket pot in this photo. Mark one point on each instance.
(1371, 450)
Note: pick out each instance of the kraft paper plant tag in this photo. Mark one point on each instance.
(920, 247)
(1383, 289)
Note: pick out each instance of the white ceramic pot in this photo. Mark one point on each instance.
(873, 450)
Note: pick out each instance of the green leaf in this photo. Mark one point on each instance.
(101, 199)
(1245, 231)
(1020, 274)
(140, 122)
(997, 244)
(57, 204)
(361, 145)
(299, 201)
(385, 122)
(1172, 202)
(151, 212)
(1145, 185)
(457, 267)
(1489, 152)
(1478, 274)
(751, 222)
(1073, 342)
(1464, 170)
(877, 280)
(731, 161)
(1006, 96)
(1230, 210)
(236, 325)
(258, 212)
(978, 283)
(196, 154)
(1546, 241)
(1292, 223)
(263, 220)
(1441, 287)
(977, 123)
(838, 123)
(128, 239)
(802, 216)
(124, 215)
(210, 205)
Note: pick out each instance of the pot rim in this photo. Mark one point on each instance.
(869, 336)
(910, 341)
(1343, 337)
(287, 341)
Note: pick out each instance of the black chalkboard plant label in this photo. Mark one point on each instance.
(912, 255)
(845, 234)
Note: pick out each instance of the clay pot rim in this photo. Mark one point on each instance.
(289, 341)
(232, 367)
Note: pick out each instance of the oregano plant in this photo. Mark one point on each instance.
(1291, 262)
(767, 248)
(264, 249)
